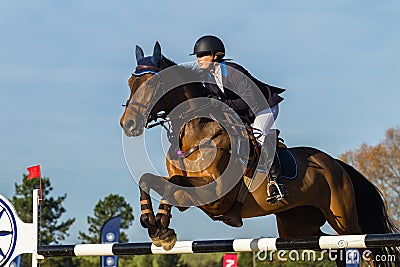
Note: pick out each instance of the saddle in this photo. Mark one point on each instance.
(250, 157)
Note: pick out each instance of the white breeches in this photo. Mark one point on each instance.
(264, 120)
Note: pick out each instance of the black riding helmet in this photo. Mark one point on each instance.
(209, 44)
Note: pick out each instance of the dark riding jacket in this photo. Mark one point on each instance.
(244, 101)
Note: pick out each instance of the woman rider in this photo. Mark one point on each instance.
(210, 52)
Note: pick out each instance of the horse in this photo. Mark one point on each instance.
(325, 190)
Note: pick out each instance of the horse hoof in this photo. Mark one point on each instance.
(156, 241)
(169, 242)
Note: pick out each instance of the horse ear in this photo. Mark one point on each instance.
(139, 53)
(156, 58)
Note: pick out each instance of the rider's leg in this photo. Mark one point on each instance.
(277, 189)
(264, 121)
(268, 140)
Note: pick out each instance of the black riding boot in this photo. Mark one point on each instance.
(276, 189)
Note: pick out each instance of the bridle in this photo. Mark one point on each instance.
(136, 106)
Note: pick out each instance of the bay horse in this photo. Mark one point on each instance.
(325, 190)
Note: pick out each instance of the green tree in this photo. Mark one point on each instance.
(201, 260)
(167, 260)
(53, 230)
(105, 209)
(245, 259)
(143, 261)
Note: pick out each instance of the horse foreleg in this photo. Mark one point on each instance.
(148, 219)
(167, 235)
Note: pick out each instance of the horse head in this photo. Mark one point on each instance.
(143, 85)
(157, 85)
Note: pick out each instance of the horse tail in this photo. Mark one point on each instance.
(371, 211)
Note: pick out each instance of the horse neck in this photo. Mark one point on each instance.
(173, 75)
(199, 129)
(181, 96)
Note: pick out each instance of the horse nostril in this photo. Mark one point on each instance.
(130, 124)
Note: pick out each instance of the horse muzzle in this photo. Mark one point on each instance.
(131, 128)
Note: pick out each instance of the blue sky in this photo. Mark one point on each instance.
(64, 67)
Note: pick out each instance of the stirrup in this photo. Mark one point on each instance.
(274, 198)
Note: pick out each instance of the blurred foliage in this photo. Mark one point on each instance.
(111, 206)
(380, 163)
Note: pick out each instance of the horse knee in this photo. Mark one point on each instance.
(144, 181)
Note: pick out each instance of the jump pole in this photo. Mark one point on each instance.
(232, 245)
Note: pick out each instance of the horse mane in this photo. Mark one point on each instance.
(179, 70)
(178, 94)
(166, 63)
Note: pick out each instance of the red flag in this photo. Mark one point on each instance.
(34, 172)
(230, 260)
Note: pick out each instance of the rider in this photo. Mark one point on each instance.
(210, 52)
